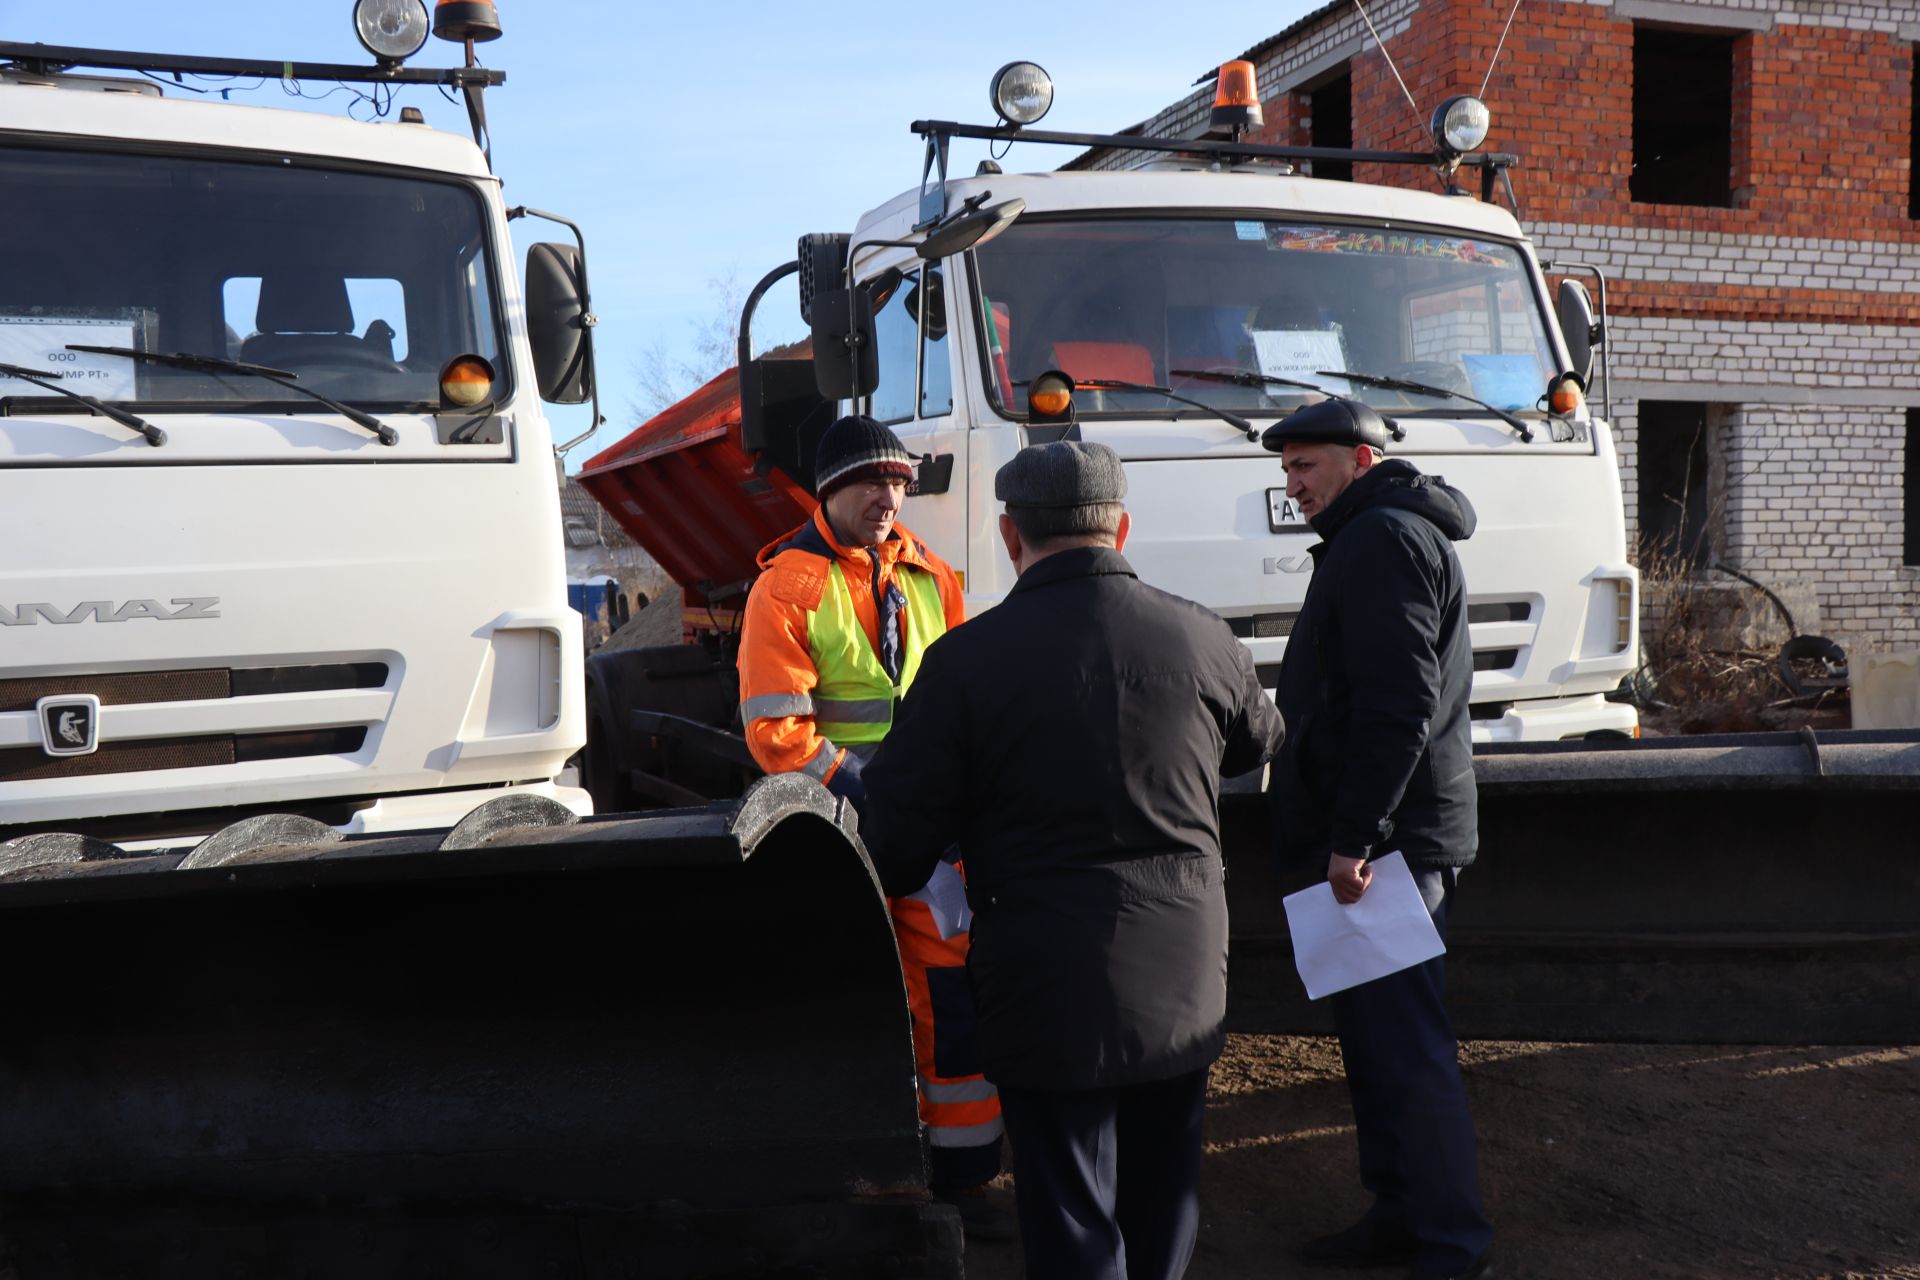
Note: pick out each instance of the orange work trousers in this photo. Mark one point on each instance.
(959, 1106)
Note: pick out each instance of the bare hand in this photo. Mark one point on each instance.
(1349, 878)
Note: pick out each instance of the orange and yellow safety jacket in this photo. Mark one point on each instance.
(813, 679)
(832, 638)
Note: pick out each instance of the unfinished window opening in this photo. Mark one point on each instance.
(1331, 102)
(1682, 117)
(1676, 508)
(1910, 493)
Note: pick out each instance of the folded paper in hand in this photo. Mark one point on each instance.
(1388, 930)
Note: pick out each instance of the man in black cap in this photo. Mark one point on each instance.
(835, 627)
(1374, 684)
(1072, 741)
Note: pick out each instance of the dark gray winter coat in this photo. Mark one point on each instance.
(1071, 741)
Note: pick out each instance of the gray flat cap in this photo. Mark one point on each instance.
(1066, 473)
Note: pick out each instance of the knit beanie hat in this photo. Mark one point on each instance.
(858, 448)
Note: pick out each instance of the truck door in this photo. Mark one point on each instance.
(915, 397)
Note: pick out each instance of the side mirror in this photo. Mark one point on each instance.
(973, 226)
(558, 326)
(1575, 311)
(846, 363)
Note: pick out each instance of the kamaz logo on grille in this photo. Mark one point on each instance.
(69, 724)
(26, 615)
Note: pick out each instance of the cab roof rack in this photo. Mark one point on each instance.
(1493, 165)
(51, 59)
(472, 81)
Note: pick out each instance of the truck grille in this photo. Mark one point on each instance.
(195, 685)
(30, 764)
(1495, 659)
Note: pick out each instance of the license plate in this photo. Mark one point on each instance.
(1283, 513)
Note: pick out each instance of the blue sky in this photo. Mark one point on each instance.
(696, 141)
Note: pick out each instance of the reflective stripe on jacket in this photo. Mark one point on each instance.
(811, 682)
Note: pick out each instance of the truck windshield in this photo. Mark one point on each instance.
(1179, 301)
(362, 284)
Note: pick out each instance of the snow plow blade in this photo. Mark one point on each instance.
(1738, 888)
(665, 1045)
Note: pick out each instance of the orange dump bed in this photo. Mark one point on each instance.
(687, 490)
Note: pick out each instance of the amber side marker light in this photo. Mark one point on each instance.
(1050, 396)
(1236, 99)
(467, 381)
(1566, 396)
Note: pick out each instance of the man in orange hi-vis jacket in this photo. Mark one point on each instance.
(835, 626)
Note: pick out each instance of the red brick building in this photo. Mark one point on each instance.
(1743, 172)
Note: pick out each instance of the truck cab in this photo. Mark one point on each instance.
(1193, 302)
(1193, 280)
(336, 592)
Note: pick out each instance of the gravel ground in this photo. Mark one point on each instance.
(1689, 1162)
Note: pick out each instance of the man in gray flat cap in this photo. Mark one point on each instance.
(1071, 740)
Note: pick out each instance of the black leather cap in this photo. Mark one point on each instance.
(1334, 421)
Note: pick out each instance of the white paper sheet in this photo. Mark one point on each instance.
(1301, 354)
(1336, 947)
(40, 343)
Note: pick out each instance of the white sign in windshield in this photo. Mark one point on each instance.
(1300, 354)
(40, 343)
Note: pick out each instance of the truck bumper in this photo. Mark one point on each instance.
(1557, 719)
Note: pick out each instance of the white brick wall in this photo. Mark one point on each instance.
(1766, 262)
(1813, 357)
(1813, 441)
(1896, 16)
(1814, 495)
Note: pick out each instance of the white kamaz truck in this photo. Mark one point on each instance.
(1170, 310)
(277, 493)
(316, 969)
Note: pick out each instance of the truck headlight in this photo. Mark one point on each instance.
(1610, 617)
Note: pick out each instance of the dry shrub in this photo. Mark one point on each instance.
(1693, 679)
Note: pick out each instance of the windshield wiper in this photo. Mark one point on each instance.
(214, 364)
(155, 436)
(1231, 419)
(1247, 378)
(1421, 388)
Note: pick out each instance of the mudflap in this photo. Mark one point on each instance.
(674, 1045)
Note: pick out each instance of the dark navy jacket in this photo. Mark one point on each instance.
(1375, 681)
(1071, 740)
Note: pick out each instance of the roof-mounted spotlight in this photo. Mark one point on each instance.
(391, 30)
(1236, 100)
(1022, 92)
(1460, 125)
(464, 21)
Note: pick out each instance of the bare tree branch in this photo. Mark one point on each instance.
(662, 378)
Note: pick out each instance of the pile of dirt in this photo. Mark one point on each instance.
(1645, 1161)
(657, 624)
